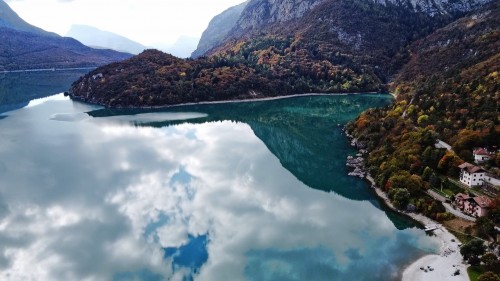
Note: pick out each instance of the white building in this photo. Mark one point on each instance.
(481, 155)
(471, 175)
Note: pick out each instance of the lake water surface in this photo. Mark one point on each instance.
(242, 191)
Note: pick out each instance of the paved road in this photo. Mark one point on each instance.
(457, 213)
(436, 195)
(448, 207)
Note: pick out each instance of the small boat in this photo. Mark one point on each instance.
(431, 227)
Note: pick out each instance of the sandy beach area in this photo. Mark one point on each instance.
(443, 265)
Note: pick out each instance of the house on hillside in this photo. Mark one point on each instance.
(481, 155)
(477, 206)
(471, 175)
(460, 199)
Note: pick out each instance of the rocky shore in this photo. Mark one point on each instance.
(356, 163)
(448, 264)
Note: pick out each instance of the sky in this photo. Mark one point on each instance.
(149, 22)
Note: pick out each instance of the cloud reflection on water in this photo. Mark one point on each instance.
(101, 200)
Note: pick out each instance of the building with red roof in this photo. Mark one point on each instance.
(481, 155)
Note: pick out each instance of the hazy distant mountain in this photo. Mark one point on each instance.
(183, 47)
(10, 19)
(94, 37)
(23, 46)
(218, 28)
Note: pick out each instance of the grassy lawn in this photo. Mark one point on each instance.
(455, 186)
(462, 237)
(474, 272)
(448, 192)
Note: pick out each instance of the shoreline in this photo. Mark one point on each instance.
(232, 101)
(271, 98)
(45, 70)
(444, 264)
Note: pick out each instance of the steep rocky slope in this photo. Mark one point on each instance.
(217, 29)
(270, 15)
(452, 77)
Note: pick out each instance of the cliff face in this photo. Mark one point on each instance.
(290, 17)
(260, 13)
(218, 29)
(435, 7)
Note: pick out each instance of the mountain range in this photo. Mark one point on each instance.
(280, 48)
(9, 19)
(101, 39)
(24, 46)
(182, 47)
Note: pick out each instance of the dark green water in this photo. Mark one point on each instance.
(242, 191)
(17, 89)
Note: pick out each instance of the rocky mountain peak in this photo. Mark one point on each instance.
(218, 28)
(264, 12)
(259, 14)
(436, 7)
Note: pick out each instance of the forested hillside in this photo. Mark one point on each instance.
(254, 69)
(450, 89)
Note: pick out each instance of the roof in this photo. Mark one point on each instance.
(465, 165)
(483, 201)
(464, 196)
(481, 151)
(470, 168)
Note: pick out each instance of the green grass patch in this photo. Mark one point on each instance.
(462, 237)
(474, 272)
(449, 192)
(455, 186)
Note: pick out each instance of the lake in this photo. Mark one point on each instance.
(238, 191)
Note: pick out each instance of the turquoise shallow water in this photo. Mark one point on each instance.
(241, 191)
